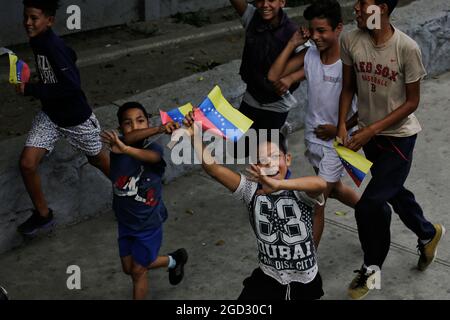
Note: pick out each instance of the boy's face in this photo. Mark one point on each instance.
(272, 161)
(133, 119)
(36, 21)
(323, 34)
(269, 9)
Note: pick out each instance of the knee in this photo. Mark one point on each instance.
(28, 164)
(126, 270)
(138, 272)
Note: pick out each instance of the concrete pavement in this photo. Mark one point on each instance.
(214, 228)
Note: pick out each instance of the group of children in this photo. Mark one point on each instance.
(365, 78)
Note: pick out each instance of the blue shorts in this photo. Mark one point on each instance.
(143, 246)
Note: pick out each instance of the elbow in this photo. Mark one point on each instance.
(321, 185)
(272, 77)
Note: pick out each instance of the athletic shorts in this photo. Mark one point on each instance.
(143, 246)
(85, 137)
(326, 160)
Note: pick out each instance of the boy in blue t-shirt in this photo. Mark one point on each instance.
(136, 173)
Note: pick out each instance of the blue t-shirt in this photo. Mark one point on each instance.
(137, 188)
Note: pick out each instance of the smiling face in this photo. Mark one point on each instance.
(133, 119)
(35, 21)
(323, 35)
(269, 9)
(272, 161)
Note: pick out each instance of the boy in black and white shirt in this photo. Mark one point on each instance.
(280, 211)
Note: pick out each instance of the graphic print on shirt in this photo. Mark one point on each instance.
(46, 70)
(376, 74)
(136, 186)
(281, 225)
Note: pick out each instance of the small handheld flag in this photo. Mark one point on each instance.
(354, 163)
(19, 72)
(216, 114)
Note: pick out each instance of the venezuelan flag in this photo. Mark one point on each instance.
(354, 163)
(216, 114)
(19, 72)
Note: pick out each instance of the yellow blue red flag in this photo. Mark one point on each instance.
(216, 114)
(354, 163)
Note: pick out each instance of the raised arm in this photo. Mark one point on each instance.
(222, 174)
(141, 134)
(284, 64)
(313, 186)
(240, 6)
(117, 146)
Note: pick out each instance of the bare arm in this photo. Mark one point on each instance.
(141, 134)
(284, 64)
(363, 135)
(222, 174)
(345, 100)
(117, 146)
(240, 6)
(313, 186)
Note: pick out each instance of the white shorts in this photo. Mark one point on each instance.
(326, 160)
(85, 137)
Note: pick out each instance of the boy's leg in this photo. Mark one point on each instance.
(127, 264)
(29, 163)
(319, 216)
(41, 139)
(411, 214)
(404, 203)
(101, 161)
(160, 262)
(86, 138)
(140, 281)
(344, 194)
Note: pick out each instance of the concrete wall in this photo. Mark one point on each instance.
(155, 9)
(77, 191)
(97, 14)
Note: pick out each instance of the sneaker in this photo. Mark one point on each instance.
(362, 283)
(3, 294)
(176, 274)
(35, 223)
(428, 251)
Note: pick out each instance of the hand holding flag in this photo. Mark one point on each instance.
(19, 72)
(354, 163)
(216, 114)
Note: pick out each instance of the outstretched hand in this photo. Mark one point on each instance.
(111, 138)
(269, 185)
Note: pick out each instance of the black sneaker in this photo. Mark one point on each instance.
(3, 294)
(35, 223)
(176, 274)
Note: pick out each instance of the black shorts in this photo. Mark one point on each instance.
(263, 119)
(260, 286)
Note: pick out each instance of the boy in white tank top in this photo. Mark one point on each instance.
(320, 64)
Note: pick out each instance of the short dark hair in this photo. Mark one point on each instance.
(390, 3)
(281, 142)
(48, 7)
(325, 9)
(127, 106)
